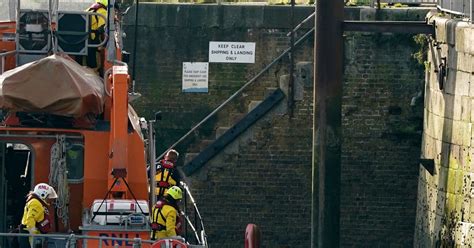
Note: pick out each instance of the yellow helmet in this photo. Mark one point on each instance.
(103, 2)
(175, 192)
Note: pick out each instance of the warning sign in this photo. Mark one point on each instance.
(195, 76)
(231, 52)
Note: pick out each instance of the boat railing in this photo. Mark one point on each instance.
(3, 57)
(73, 239)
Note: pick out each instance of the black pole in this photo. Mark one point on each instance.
(292, 61)
(135, 38)
(328, 70)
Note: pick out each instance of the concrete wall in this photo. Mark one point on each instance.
(445, 200)
(264, 176)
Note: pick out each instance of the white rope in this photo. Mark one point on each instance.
(58, 178)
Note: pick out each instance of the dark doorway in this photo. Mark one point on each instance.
(15, 182)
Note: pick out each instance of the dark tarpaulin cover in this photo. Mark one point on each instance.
(56, 85)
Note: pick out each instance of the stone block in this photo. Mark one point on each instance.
(449, 85)
(451, 31)
(469, 40)
(463, 234)
(189, 157)
(441, 127)
(460, 61)
(462, 83)
(469, 159)
(449, 107)
(428, 148)
(466, 137)
(444, 150)
(441, 181)
(461, 41)
(466, 108)
(368, 14)
(283, 83)
(451, 185)
(457, 83)
(441, 32)
(304, 73)
(472, 109)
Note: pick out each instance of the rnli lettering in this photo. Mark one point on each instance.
(121, 243)
(231, 52)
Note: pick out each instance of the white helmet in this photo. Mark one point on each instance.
(43, 191)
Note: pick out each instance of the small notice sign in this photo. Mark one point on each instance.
(231, 52)
(195, 76)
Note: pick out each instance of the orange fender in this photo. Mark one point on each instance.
(252, 236)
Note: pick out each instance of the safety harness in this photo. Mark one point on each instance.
(163, 183)
(155, 226)
(94, 8)
(43, 226)
(156, 212)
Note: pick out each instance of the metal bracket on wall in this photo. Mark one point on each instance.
(407, 27)
(428, 164)
(231, 134)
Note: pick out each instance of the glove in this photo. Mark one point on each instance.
(33, 230)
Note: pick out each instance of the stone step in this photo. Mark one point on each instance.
(189, 157)
(253, 104)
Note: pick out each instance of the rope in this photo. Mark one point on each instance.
(58, 178)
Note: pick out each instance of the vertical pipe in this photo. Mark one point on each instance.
(328, 70)
(314, 189)
(3, 65)
(17, 33)
(135, 38)
(3, 195)
(151, 152)
(185, 212)
(290, 102)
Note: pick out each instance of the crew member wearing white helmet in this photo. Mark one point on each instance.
(35, 216)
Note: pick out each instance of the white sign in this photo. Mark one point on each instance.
(195, 76)
(231, 52)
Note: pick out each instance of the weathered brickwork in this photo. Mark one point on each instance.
(264, 177)
(445, 202)
(380, 141)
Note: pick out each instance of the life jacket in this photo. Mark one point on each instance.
(96, 31)
(44, 226)
(156, 226)
(164, 179)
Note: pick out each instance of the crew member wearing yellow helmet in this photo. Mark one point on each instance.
(165, 219)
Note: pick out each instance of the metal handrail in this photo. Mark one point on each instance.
(462, 8)
(73, 238)
(3, 55)
(298, 42)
